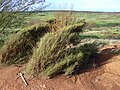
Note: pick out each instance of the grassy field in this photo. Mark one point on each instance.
(99, 25)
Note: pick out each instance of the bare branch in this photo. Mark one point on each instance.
(10, 8)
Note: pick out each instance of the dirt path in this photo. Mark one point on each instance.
(105, 77)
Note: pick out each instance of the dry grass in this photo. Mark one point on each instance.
(33, 22)
(63, 19)
(90, 25)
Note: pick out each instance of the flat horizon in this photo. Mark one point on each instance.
(86, 5)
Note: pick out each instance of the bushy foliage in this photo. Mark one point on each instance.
(20, 46)
(47, 52)
(53, 57)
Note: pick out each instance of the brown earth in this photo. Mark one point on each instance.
(104, 77)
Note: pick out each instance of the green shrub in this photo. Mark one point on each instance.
(53, 57)
(90, 51)
(19, 47)
(50, 49)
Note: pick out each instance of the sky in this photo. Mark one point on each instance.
(85, 5)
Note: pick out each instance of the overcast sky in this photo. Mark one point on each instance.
(85, 5)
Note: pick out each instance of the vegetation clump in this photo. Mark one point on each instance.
(49, 49)
(53, 56)
(20, 46)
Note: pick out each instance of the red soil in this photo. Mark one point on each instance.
(105, 77)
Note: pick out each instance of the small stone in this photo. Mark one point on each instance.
(97, 80)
